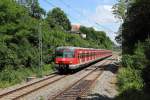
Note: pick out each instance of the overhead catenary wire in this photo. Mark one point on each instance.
(53, 5)
(81, 14)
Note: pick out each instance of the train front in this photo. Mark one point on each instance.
(63, 58)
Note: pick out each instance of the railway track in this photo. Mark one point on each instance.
(27, 89)
(76, 89)
(81, 86)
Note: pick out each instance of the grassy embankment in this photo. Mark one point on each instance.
(19, 40)
(9, 77)
(131, 85)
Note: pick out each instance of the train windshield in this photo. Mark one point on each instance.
(64, 53)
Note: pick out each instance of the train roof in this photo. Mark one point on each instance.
(73, 48)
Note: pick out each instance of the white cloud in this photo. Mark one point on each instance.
(103, 14)
(104, 17)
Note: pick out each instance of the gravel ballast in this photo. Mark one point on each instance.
(105, 87)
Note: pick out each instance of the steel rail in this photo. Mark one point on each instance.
(71, 86)
(28, 85)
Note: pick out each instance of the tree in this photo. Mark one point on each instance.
(136, 25)
(57, 17)
(18, 34)
(119, 10)
(135, 34)
(118, 38)
(97, 37)
(36, 10)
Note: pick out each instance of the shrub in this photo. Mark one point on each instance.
(129, 78)
(10, 76)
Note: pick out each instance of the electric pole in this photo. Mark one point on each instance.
(30, 4)
(40, 50)
(38, 15)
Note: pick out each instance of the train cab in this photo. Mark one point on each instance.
(64, 57)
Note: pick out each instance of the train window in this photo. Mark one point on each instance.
(65, 54)
(68, 54)
(59, 54)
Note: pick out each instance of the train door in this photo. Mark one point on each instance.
(85, 56)
(101, 54)
(98, 54)
(80, 56)
(88, 56)
(77, 57)
(91, 55)
(94, 55)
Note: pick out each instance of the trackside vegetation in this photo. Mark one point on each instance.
(19, 40)
(133, 34)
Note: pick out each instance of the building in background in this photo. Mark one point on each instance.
(75, 29)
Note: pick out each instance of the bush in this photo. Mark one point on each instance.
(127, 61)
(19, 40)
(10, 76)
(129, 78)
(136, 61)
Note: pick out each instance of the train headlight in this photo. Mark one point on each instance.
(70, 62)
(56, 62)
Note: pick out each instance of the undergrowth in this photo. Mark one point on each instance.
(10, 76)
(130, 78)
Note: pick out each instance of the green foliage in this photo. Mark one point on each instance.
(98, 38)
(129, 78)
(119, 9)
(57, 17)
(132, 78)
(18, 37)
(136, 25)
(130, 81)
(147, 48)
(131, 85)
(10, 76)
(36, 10)
(137, 61)
(135, 33)
(19, 40)
(120, 12)
(127, 61)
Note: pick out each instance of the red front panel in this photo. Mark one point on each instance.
(66, 61)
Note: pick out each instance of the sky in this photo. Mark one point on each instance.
(90, 13)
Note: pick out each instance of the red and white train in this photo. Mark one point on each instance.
(75, 57)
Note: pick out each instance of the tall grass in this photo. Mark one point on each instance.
(130, 81)
(10, 76)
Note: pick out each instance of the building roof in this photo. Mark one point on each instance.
(75, 28)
